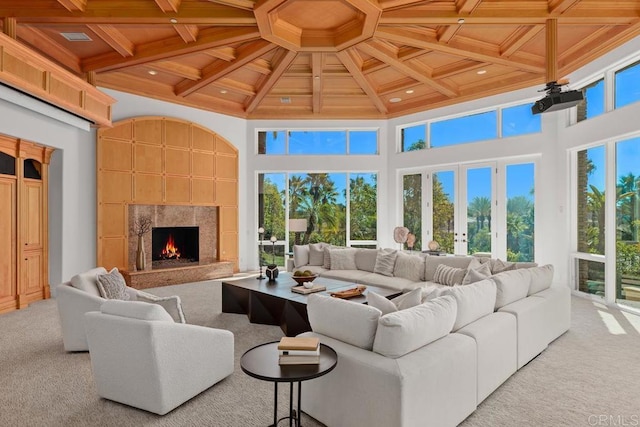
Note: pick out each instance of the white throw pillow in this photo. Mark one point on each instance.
(474, 301)
(407, 330)
(88, 281)
(401, 302)
(480, 272)
(541, 278)
(343, 259)
(316, 253)
(135, 310)
(385, 261)
(512, 286)
(112, 285)
(346, 321)
(172, 304)
(409, 267)
(449, 276)
(300, 255)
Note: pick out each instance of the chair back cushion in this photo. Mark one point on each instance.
(136, 310)
(407, 330)
(346, 321)
(88, 281)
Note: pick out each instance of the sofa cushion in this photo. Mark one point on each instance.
(353, 276)
(387, 282)
(511, 286)
(366, 259)
(449, 276)
(300, 255)
(541, 278)
(498, 266)
(482, 271)
(88, 281)
(409, 267)
(407, 330)
(474, 301)
(112, 285)
(432, 262)
(316, 254)
(346, 321)
(385, 261)
(136, 310)
(343, 259)
(402, 302)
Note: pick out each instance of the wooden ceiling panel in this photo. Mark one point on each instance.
(213, 56)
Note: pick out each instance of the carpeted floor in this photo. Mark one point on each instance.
(588, 373)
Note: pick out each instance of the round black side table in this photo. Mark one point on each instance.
(261, 362)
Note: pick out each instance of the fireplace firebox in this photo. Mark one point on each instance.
(174, 246)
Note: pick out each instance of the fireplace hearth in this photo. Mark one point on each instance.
(174, 246)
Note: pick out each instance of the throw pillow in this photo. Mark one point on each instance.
(541, 278)
(385, 261)
(343, 320)
(366, 259)
(401, 302)
(300, 255)
(498, 266)
(409, 267)
(474, 301)
(172, 304)
(449, 276)
(404, 331)
(512, 286)
(112, 285)
(316, 253)
(343, 259)
(326, 261)
(483, 271)
(135, 310)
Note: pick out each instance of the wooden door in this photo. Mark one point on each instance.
(32, 279)
(32, 215)
(8, 243)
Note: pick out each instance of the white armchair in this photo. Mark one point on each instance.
(142, 358)
(80, 295)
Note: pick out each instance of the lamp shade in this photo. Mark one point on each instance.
(298, 225)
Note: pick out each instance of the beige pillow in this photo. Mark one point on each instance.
(541, 278)
(300, 255)
(498, 266)
(385, 261)
(449, 276)
(316, 253)
(482, 271)
(409, 267)
(343, 259)
(401, 302)
(112, 285)
(512, 286)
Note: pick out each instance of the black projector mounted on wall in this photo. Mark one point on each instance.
(556, 99)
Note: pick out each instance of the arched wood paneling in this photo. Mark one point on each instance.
(163, 161)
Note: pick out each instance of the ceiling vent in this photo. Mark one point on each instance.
(285, 100)
(76, 37)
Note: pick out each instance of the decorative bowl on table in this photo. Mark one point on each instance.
(304, 279)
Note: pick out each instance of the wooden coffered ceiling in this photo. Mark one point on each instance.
(325, 59)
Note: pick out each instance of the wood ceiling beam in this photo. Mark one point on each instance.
(506, 16)
(381, 51)
(518, 39)
(176, 69)
(168, 48)
(189, 33)
(259, 66)
(467, 6)
(9, 27)
(168, 6)
(317, 66)
(551, 50)
(131, 12)
(234, 86)
(561, 6)
(74, 5)
(463, 66)
(240, 4)
(449, 32)
(224, 53)
(404, 36)
(353, 62)
(48, 47)
(114, 38)
(397, 85)
(282, 60)
(218, 69)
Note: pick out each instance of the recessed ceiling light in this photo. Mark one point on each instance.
(409, 91)
(461, 21)
(76, 37)
(152, 72)
(394, 100)
(173, 20)
(316, 77)
(285, 100)
(223, 91)
(481, 72)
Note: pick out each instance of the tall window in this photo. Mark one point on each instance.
(443, 195)
(591, 200)
(627, 87)
(520, 212)
(593, 103)
(363, 199)
(628, 222)
(271, 215)
(412, 206)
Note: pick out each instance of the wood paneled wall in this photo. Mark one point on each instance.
(163, 161)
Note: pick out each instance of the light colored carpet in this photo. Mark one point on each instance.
(590, 371)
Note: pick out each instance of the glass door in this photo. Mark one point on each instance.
(477, 216)
(444, 208)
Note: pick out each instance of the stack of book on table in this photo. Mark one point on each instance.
(299, 351)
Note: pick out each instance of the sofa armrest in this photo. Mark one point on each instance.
(290, 264)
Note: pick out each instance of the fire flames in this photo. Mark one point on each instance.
(170, 250)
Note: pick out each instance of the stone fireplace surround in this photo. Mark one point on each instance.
(208, 267)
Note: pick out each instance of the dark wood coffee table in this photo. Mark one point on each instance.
(261, 362)
(274, 303)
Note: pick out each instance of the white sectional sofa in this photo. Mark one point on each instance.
(433, 363)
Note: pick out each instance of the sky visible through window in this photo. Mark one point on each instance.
(306, 142)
